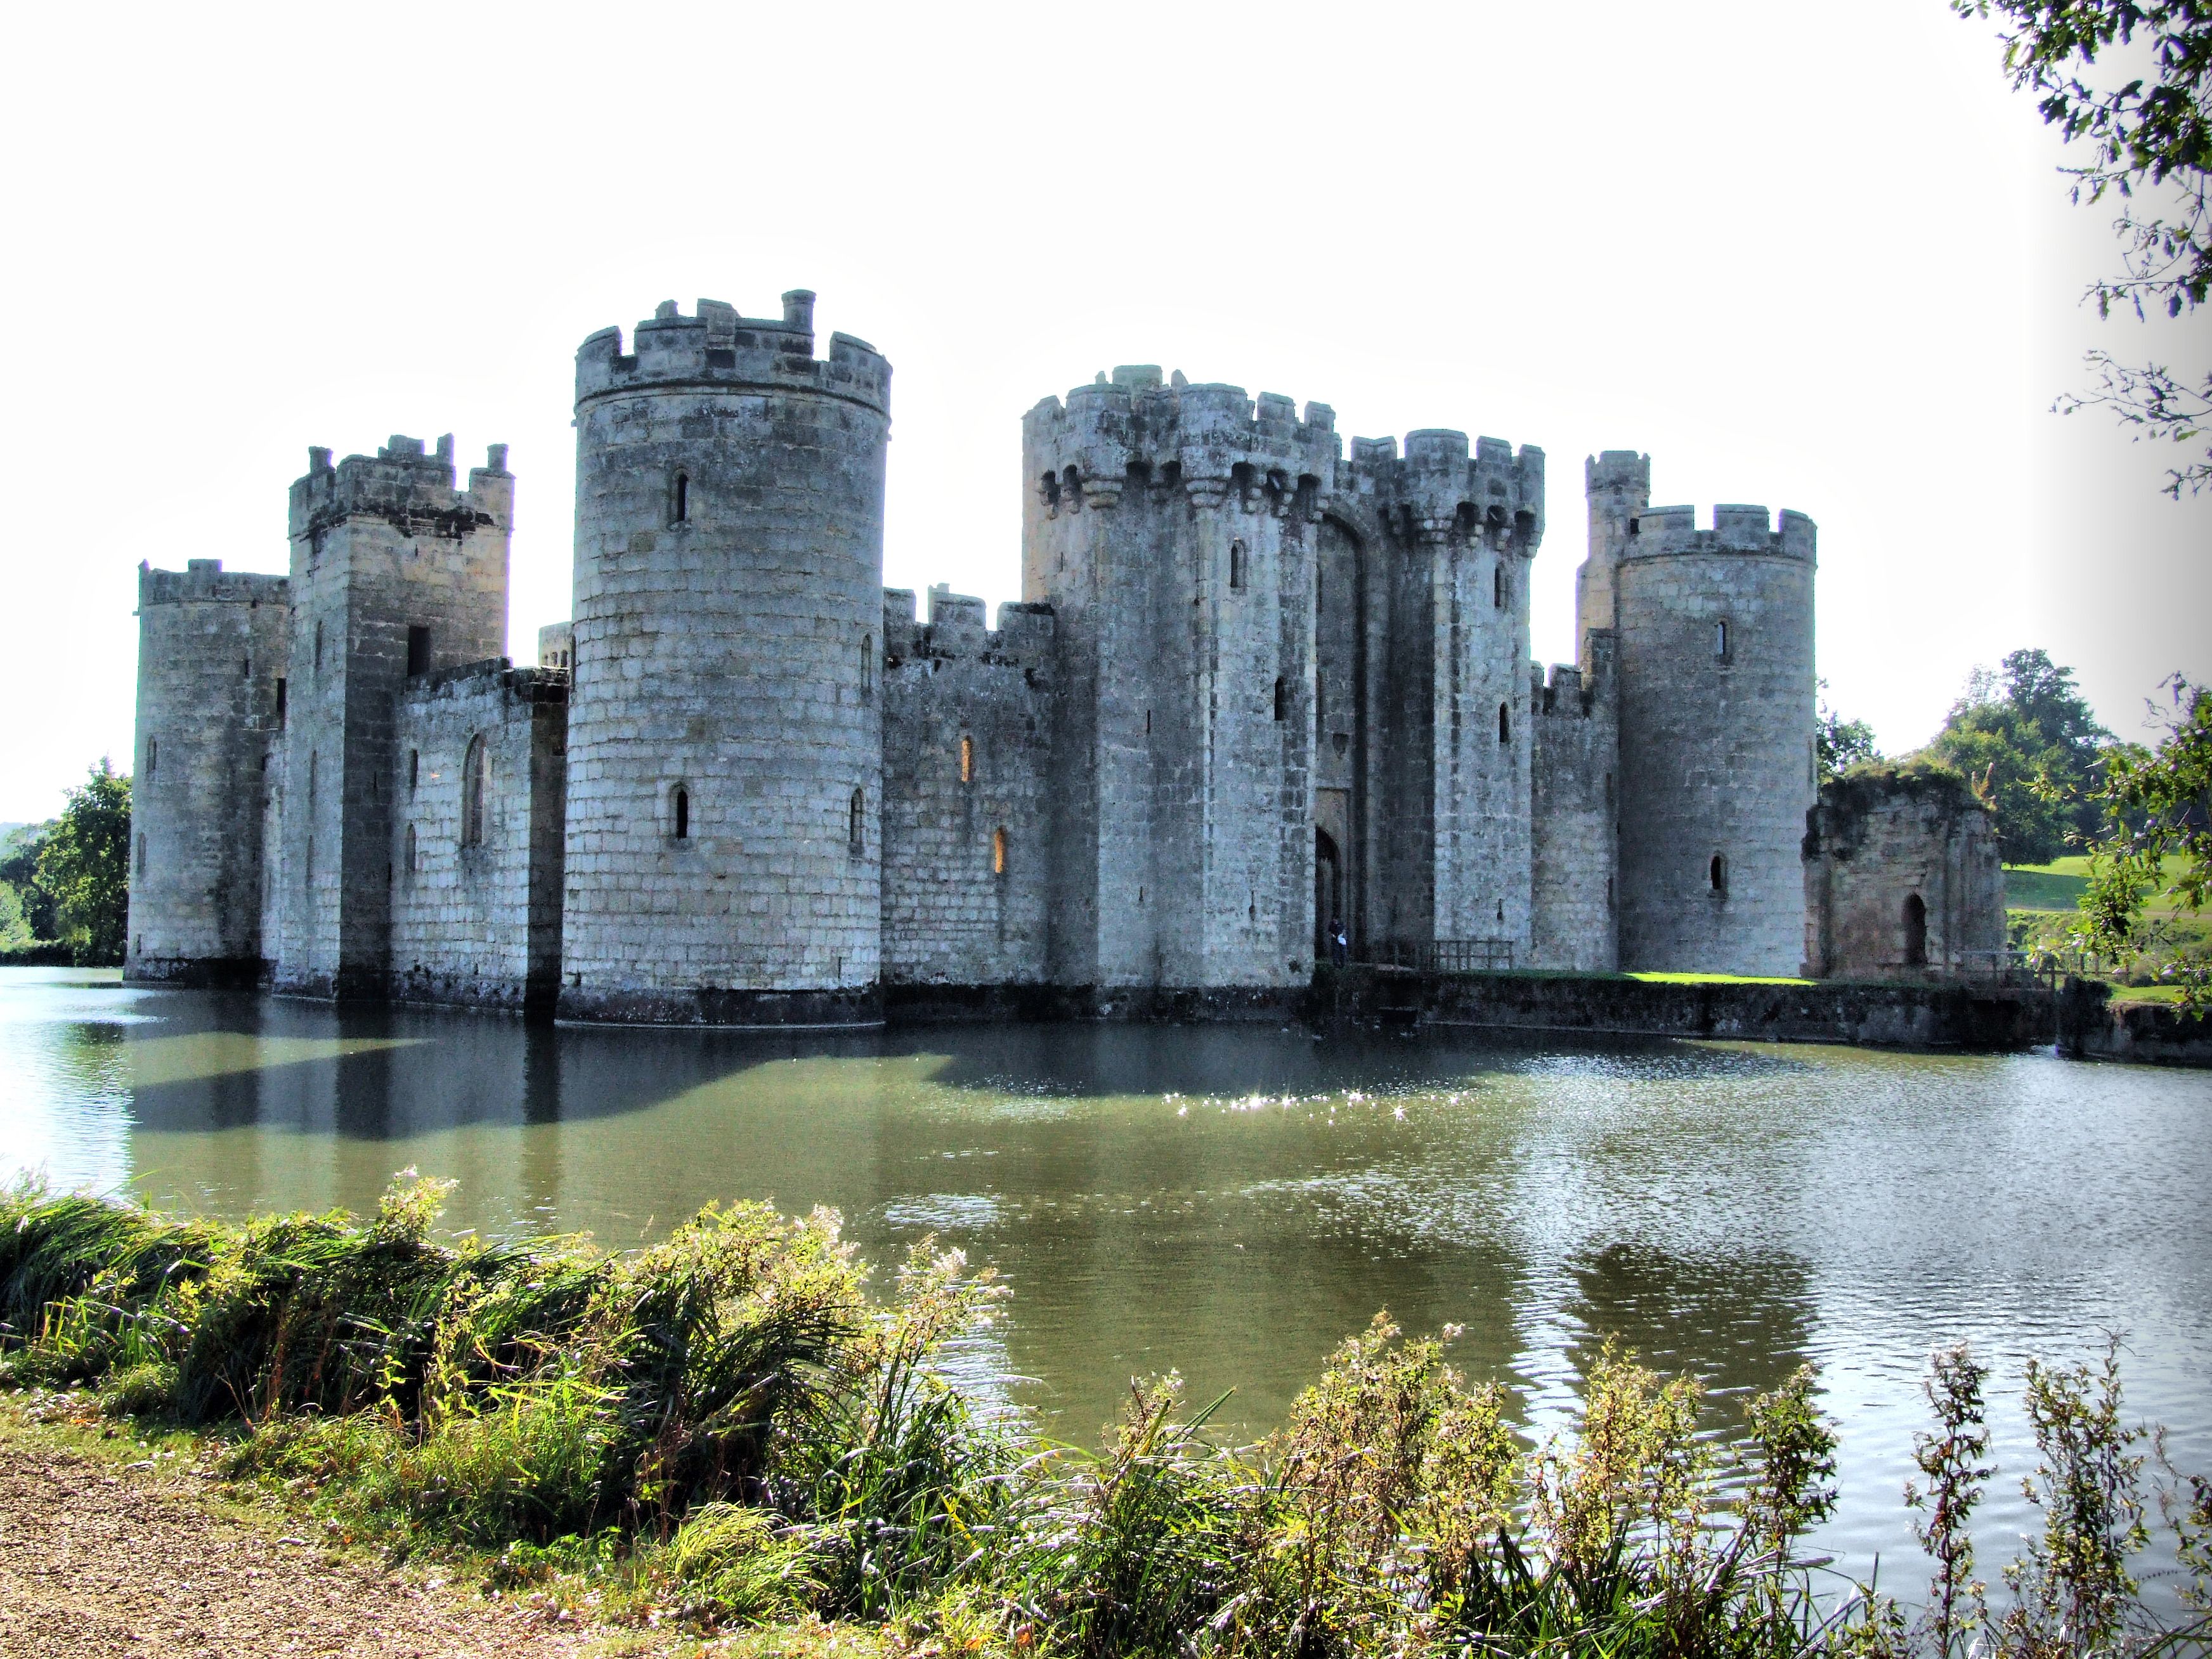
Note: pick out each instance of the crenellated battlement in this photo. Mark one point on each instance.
(1214, 440)
(1658, 532)
(956, 631)
(406, 485)
(715, 348)
(1570, 693)
(1440, 488)
(206, 579)
(470, 680)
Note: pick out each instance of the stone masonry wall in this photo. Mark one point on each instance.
(1716, 740)
(211, 670)
(966, 859)
(728, 601)
(1873, 844)
(1170, 528)
(478, 923)
(1576, 753)
(393, 570)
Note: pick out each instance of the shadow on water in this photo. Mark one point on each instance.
(1231, 1202)
(211, 1062)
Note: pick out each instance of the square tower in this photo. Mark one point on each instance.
(395, 573)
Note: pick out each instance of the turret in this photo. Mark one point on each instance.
(1716, 737)
(1618, 486)
(212, 698)
(725, 736)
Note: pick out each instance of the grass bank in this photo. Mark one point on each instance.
(728, 1430)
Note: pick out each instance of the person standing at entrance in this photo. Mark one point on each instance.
(1340, 948)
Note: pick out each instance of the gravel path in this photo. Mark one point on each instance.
(99, 1560)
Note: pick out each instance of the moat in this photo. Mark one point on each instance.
(1230, 1202)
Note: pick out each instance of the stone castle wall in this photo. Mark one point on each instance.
(1257, 684)
(477, 836)
(211, 695)
(1576, 750)
(968, 776)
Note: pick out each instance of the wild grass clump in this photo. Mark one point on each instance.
(726, 1427)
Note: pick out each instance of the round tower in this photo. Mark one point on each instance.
(1717, 739)
(725, 738)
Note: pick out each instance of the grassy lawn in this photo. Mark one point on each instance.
(1717, 979)
(2057, 885)
(2147, 993)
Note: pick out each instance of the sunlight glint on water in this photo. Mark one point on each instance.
(1231, 1202)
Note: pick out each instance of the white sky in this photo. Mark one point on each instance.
(1811, 255)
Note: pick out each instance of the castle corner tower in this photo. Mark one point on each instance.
(724, 856)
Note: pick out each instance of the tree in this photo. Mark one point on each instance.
(14, 931)
(1842, 743)
(2146, 136)
(2157, 807)
(2026, 741)
(19, 869)
(86, 865)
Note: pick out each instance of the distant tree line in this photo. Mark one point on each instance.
(2023, 738)
(65, 884)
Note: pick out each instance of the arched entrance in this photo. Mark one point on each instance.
(1916, 930)
(1328, 893)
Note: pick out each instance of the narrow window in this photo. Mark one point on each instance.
(142, 855)
(418, 649)
(414, 768)
(280, 701)
(1498, 587)
(998, 852)
(245, 668)
(966, 759)
(1718, 872)
(1236, 564)
(1282, 696)
(314, 767)
(409, 866)
(1916, 930)
(1319, 685)
(1608, 791)
(476, 775)
(867, 666)
(856, 825)
(683, 813)
(1721, 640)
(319, 648)
(307, 872)
(1148, 722)
(1504, 724)
(683, 514)
(152, 755)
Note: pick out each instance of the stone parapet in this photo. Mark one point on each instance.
(1661, 531)
(206, 579)
(413, 490)
(716, 350)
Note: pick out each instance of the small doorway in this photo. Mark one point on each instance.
(1916, 930)
(1328, 895)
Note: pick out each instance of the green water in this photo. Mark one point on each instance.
(1229, 1202)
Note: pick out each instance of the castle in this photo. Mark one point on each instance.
(1256, 687)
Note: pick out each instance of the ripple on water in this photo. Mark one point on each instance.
(1231, 1203)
